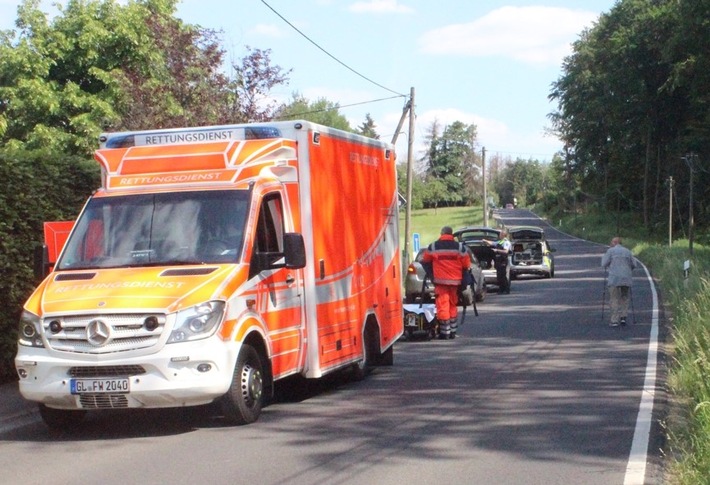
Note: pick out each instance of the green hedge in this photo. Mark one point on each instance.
(37, 187)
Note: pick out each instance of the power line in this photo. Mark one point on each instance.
(338, 107)
(517, 154)
(330, 55)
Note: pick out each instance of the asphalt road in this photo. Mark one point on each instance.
(537, 389)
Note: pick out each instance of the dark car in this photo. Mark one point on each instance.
(532, 254)
(415, 277)
(475, 237)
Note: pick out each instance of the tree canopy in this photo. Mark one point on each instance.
(451, 165)
(633, 104)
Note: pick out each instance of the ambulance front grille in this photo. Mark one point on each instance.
(103, 334)
(106, 371)
(103, 401)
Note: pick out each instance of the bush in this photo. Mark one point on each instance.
(36, 188)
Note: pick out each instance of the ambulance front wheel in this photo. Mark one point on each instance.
(243, 402)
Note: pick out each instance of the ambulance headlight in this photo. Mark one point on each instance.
(197, 322)
(30, 335)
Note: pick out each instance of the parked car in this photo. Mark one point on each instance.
(474, 238)
(415, 277)
(532, 254)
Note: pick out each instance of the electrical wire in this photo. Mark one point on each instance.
(330, 55)
(337, 107)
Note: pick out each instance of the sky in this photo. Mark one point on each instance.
(485, 62)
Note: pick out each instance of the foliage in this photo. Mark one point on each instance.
(417, 186)
(102, 65)
(37, 187)
(521, 181)
(368, 128)
(255, 78)
(320, 111)
(108, 65)
(632, 102)
(452, 175)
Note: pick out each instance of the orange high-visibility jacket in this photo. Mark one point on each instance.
(448, 259)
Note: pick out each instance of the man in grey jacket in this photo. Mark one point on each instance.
(619, 264)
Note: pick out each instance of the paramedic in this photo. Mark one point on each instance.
(448, 259)
(619, 263)
(502, 248)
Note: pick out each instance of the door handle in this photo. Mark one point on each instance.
(290, 279)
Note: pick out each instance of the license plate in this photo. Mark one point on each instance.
(412, 320)
(100, 386)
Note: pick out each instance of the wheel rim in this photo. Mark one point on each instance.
(252, 385)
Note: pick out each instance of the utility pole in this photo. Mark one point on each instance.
(410, 170)
(691, 222)
(670, 212)
(485, 186)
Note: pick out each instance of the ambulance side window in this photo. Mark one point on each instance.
(268, 243)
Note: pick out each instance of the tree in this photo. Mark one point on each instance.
(417, 186)
(367, 128)
(434, 192)
(254, 79)
(633, 100)
(101, 65)
(321, 111)
(451, 158)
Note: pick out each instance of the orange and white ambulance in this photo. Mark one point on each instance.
(210, 263)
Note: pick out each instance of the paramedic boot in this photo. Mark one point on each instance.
(453, 326)
(444, 329)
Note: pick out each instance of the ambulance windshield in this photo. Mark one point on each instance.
(158, 230)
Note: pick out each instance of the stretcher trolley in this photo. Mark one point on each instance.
(420, 321)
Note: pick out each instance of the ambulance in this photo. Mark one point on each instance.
(212, 262)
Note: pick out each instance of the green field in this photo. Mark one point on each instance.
(428, 222)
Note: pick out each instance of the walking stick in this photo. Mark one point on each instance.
(604, 294)
(473, 292)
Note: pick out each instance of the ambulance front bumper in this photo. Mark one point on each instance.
(182, 374)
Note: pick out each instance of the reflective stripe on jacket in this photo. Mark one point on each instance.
(448, 259)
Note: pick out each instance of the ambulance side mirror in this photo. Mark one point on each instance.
(41, 262)
(294, 250)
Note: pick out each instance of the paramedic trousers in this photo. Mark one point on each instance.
(447, 297)
(619, 301)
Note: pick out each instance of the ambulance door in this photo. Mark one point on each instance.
(279, 289)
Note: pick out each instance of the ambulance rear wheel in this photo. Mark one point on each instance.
(61, 419)
(243, 402)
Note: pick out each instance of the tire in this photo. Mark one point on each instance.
(387, 357)
(243, 402)
(61, 419)
(362, 368)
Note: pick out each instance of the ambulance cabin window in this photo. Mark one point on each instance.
(268, 244)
